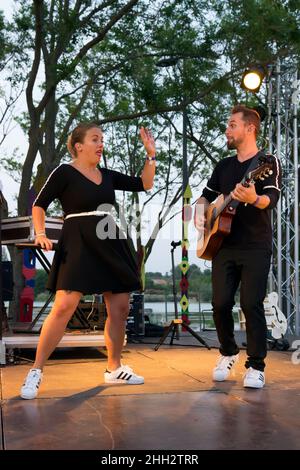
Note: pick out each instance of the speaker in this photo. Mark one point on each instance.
(136, 318)
(7, 281)
(94, 315)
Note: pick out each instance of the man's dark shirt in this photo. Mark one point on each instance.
(251, 227)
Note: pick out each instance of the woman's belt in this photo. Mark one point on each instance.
(83, 214)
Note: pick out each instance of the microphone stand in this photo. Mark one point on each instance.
(174, 245)
(174, 325)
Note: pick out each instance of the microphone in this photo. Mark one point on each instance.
(174, 244)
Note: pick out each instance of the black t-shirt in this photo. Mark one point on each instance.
(251, 227)
(79, 194)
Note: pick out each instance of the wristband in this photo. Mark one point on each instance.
(39, 234)
(256, 201)
(151, 159)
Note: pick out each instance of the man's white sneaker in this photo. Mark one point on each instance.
(254, 378)
(123, 375)
(31, 385)
(224, 367)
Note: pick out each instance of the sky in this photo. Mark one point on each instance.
(160, 258)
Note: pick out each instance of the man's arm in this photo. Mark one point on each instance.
(200, 213)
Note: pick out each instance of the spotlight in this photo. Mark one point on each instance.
(252, 78)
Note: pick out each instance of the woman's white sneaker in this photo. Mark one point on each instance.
(31, 385)
(224, 367)
(254, 378)
(123, 375)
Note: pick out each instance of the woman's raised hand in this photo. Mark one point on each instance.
(148, 141)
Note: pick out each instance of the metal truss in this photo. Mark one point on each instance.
(283, 108)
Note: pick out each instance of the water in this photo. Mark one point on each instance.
(161, 307)
(200, 316)
(160, 313)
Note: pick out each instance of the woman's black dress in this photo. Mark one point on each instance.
(84, 262)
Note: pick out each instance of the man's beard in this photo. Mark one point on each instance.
(231, 145)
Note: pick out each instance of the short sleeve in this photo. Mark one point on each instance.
(211, 190)
(52, 188)
(126, 182)
(272, 185)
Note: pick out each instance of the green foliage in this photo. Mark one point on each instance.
(199, 283)
(12, 164)
(118, 83)
(40, 282)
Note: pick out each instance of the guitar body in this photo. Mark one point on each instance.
(215, 230)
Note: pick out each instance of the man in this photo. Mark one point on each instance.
(245, 254)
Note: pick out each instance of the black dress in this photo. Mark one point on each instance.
(84, 262)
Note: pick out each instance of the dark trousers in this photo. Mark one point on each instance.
(249, 268)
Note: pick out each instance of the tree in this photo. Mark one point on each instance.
(97, 60)
(10, 89)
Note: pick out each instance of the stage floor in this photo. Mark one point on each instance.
(178, 408)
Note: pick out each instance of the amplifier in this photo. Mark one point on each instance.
(20, 229)
(94, 314)
(136, 319)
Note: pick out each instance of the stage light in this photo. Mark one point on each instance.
(252, 78)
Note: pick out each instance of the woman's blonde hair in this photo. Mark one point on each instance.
(78, 135)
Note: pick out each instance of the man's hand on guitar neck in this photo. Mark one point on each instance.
(248, 195)
(200, 214)
(244, 194)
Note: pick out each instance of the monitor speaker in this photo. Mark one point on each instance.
(136, 318)
(94, 316)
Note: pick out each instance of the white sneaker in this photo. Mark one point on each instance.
(123, 375)
(31, 385)
(254, 378)
(224, 367)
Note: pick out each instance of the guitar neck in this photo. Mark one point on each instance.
(229, 198)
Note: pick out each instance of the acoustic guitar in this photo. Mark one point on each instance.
(275, 318)
(220, 213)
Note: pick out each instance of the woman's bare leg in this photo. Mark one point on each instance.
(55, 324)
(117, 306)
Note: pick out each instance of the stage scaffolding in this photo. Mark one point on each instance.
(283, 107)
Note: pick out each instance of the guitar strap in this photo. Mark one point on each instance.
(234, 203)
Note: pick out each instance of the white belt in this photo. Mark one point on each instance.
(80, 214)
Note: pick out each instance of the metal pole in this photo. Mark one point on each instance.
(185, 203)
(271, 150)
(174, 292)
(287, 215)
(278, 145)
(184, 153)
(296, 210)
(174, 285)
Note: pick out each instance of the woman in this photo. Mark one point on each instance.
(84, 262)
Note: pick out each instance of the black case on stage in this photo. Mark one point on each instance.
(21, 230)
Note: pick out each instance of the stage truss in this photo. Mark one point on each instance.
(283, 108)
